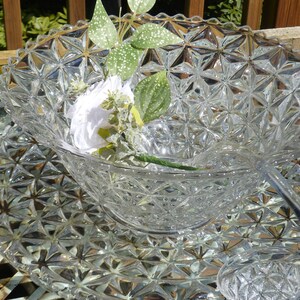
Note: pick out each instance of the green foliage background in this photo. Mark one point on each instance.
(225, 11)
(36, 19)
(2, 33)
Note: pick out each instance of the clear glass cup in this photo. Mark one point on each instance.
(269, 273)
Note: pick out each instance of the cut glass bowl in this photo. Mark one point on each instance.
(52, 230)
(228, 85)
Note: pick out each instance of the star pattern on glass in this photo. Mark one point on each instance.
(64, 237)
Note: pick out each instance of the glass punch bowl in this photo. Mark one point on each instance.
(228, 84)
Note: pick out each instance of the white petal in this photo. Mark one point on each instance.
(87, 115)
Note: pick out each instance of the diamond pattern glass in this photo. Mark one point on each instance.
(228, 84)
(51, 229)
(269, 273)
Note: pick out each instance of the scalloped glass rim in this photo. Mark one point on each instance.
(178, 17)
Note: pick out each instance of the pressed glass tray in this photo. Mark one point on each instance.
(53, 231)
(15, 285)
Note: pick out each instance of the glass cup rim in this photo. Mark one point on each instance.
(167, 173)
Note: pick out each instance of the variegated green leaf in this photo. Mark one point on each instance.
(123, 61)
(140, 6)
(102, 31)
(152, 96)
(153, 36)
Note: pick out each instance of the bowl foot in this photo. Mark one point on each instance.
(166, 230)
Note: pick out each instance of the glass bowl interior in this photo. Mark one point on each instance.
(227, 83)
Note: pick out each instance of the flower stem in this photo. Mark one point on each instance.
(163, 162)
(123, 29)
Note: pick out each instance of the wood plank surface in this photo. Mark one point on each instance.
(252, 13)
(194, 8)
(290, 35)
(12, 23)
(4, 55)
(76, 11)
(288, 13)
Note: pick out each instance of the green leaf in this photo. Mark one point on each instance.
(152, 96)
(104, 133)
(123, 61)
(153, 36)
(102, 31)
(140, 6)
(106, 152)
(165, 163)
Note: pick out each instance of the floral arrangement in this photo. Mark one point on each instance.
(106, 119)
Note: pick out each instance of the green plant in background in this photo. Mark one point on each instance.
(2, 32)
(226, 11)
(33, 26)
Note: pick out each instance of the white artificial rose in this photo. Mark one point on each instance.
(87, 116)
